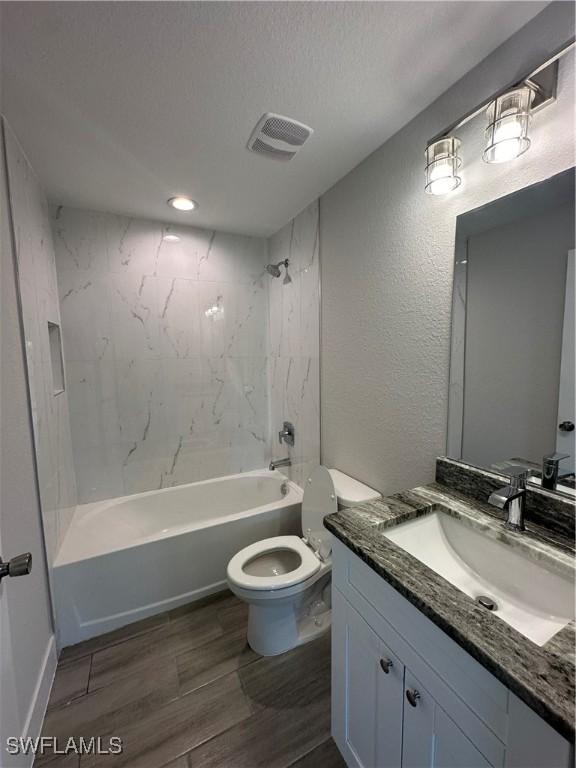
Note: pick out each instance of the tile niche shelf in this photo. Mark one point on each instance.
(56, 361)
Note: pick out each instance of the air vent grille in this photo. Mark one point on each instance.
(291, 133)
(282, 154)
(279, 137)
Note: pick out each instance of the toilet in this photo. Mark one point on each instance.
(286, 579)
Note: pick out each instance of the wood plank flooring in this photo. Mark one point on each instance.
(184, 690)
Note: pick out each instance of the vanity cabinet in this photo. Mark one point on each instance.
(372, 694)
(405, 695)
(383, 715)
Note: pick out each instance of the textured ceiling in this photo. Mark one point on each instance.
(121, 105)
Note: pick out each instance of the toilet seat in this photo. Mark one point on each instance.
(309, 564)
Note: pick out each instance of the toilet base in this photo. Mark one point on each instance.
(276, 626)
(265, 642)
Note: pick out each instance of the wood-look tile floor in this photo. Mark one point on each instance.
(184, 690)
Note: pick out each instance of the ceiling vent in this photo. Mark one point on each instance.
(279, 137)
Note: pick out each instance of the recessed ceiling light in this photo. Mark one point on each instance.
(171, 238)
(183, 203)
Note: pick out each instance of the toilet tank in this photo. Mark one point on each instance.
(351, 492)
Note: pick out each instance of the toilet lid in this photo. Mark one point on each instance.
(319, 500)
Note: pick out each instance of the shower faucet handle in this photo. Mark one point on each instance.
(286, 434)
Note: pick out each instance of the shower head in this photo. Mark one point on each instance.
(274, 270)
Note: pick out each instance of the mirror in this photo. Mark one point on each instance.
(511, 398)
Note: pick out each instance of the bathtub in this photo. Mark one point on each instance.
(128, 558)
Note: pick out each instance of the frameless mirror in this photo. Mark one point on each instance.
(512, 396)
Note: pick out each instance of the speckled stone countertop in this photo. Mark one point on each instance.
(542, 676)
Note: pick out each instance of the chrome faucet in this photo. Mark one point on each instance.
(512, 498)
(275, 463)
(550, 469)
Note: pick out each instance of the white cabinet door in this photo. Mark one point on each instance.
(418, 725)
(452, 749)
(367, 692)
(431, 738)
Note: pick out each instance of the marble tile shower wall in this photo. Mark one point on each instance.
(295, 341)
(166, 352)
(39, 296)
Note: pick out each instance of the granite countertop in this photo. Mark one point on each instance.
(542, 676)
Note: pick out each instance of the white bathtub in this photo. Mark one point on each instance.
(134, 556)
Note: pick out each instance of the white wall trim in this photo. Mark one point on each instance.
(39, 703)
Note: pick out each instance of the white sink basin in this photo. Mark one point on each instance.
(529, 597)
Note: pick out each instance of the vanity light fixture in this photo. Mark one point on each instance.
(442, 164)
(183, 203)
(171, 238)
(508, 111)
(508, 120)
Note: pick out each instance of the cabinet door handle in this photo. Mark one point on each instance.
(412, 695)
(386, 665)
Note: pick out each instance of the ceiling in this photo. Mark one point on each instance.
(120, 105)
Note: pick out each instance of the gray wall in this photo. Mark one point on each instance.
(387, 259)
(514, 319)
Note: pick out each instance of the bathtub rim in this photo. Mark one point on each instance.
(294, 496)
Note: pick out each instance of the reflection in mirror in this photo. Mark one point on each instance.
(512, 357)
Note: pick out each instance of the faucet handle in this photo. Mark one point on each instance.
(518, 475)
(554, 458)
(550, 466)
(516, 470)
(286, 434)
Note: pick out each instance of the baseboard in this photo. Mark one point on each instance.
(35, 717)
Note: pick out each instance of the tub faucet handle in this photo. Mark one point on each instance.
(286, 434)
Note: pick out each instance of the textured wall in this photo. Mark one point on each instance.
(39, 293)
(165, 346)
(387, 259)
(294, 342)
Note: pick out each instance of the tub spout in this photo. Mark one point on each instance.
(275, 463)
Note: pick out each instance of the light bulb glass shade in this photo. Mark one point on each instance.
(442, 164)
(183, 203)
(508, 122)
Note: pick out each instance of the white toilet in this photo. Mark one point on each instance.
(286, 579)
